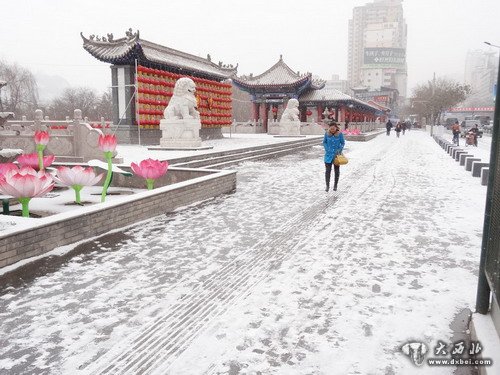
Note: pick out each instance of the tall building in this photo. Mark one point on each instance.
(481, 69)
(377, 47)
(336, 83)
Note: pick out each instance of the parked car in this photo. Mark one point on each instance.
(489, 126)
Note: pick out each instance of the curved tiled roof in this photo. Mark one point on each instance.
(325, 94)
(333, 95)
(124, 51)
(279, 74)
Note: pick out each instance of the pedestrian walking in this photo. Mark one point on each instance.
(455, 129)
(333, 142)
(398, 128)
(404, 126)
(475, 134)
(388, 126)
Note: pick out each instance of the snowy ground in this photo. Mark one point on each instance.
(136, 153)
(277, 278)
(481, 151)
(57, 201)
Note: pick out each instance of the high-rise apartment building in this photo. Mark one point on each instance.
(481, 69)
(338, 84)
(377, 47)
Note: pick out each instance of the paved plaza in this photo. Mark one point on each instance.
(277, 278)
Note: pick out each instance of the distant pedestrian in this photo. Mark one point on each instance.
(333, 142)
(404, 126)
(388, 126)
(398, 128)
(346, 126)
(475, 134)
(455, 129)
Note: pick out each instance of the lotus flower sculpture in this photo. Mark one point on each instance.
(25, 184)
(151, 170)
(107, 144)
(5, 167)
(34, 161)
(41, 141)
(76, 178)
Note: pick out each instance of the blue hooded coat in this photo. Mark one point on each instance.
(333, 145)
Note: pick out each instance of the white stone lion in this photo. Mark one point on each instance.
(182, 105)
(291, 113)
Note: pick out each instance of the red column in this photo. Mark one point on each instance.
(265, 117)
(319, 109)
(255, 111)
(303, 115)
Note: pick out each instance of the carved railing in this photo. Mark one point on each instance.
(71, 138)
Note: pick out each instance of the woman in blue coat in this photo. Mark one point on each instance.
(333, 142)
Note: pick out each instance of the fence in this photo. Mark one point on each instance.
(71, 140)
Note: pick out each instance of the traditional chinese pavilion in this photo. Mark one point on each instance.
(339, 106)
(143, 75)
(272, 89)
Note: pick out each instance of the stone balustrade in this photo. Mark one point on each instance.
(70, 139)
(306, 128)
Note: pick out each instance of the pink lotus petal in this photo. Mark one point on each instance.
(77, 176)
(41, 138)
(150, 168)
(107, 142)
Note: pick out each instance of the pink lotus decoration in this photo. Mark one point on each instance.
(107, 144)
(41, 138)
(25, 184)
(77, 177)
(41, 141)
(33, 161)
(351, 132)
(5, 167)
(151, 170)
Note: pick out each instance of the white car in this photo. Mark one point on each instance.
(489, 126)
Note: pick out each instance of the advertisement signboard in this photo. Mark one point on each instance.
(384, 56)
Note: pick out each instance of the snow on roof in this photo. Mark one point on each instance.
(278, 75)
(124, 51)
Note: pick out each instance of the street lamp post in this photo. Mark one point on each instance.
(483, 287)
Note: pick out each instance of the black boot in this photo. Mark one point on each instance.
(336, 182)
(327, 188)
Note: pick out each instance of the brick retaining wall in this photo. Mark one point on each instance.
(69, 227)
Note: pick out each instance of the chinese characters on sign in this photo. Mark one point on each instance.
(384, 56)
(456, 354)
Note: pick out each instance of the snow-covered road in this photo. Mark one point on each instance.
(277, 278)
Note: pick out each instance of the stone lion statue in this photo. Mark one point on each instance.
(291, 113)
(182, 105)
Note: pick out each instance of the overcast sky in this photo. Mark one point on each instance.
(44, 36)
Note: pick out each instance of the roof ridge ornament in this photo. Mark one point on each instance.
(130, 35)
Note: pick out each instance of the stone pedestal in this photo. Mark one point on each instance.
(180, 133)
(289, 128)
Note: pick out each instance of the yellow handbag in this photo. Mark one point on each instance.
(340, 159)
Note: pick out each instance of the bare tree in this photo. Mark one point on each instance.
(73, 98)
(430, 100)
(105, 106)
(20, 94)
